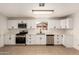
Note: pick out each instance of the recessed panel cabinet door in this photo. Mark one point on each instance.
(43, 39)
(68, 41)
(63, 24)
(31, 39)
(38, 40)
(9, 39)
(12, 24)
(69, 24)
(12, 41)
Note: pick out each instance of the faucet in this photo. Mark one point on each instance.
(40, 31)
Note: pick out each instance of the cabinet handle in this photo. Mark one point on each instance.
(10, 38)
(57, 41)
(29, 41)
(40, 38)
(29, 38)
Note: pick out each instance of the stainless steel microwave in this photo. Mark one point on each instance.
(22, 25)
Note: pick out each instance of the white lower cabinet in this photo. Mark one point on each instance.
(41, 39)
(30, 39)
(35, 39)
(58, 39)
(68, 41)
(10, 39)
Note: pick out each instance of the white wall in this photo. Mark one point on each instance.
(3, 29)
(76, 31)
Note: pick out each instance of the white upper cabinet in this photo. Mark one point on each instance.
(69, 23)
(53, 24)
(21, 21)
(62, 24)
(12, 24)
(66, 23)
(57, 25)
(31, 24)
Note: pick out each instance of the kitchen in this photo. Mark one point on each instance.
(54, 29)
(23, 26)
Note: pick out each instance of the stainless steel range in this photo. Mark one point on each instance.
(21, 37)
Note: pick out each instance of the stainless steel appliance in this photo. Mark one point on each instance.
(50, 40)
(22, 25)
(21, 37)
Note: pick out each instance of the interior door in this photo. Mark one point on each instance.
(50, 39)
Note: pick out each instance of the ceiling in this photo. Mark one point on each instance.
(25, 9)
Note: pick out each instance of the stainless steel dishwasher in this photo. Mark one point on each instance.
(50, 40)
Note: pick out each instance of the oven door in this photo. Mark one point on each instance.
(20, 40)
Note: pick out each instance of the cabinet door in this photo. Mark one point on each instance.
(57, 24)
(7, 39)
(58, 39)
(9, 24)
(34, 39)
(28, 39)
(12, 24)
(69, 24)
(12, 41)
(42, 39)
(38, 39)
(53, 24)
(68, 41)
(63, 24)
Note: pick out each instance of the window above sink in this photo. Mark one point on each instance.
(42, 25)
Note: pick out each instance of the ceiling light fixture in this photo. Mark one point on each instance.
(42, 11)
(41, 4)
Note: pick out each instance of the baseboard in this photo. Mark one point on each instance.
(49, 44)
(36, 44)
